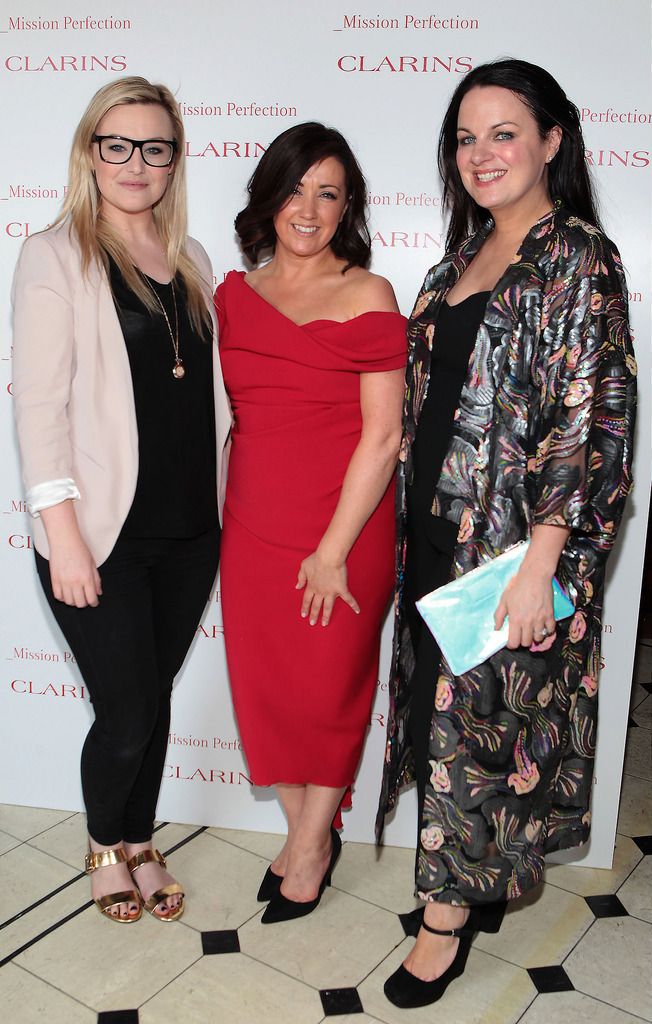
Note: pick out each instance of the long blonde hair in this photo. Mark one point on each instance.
(82, 207)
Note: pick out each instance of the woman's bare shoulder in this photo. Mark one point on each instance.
(372, 293)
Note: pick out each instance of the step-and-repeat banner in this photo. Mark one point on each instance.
(243, 73)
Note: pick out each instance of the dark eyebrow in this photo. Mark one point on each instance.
(336, 187)
(499, 125)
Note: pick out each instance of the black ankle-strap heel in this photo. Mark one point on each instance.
(407, 991)
(456, 933)
(487, 917)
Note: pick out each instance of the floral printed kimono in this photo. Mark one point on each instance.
(542, 434)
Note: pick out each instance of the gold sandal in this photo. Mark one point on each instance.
(155, 900)
(103, 859)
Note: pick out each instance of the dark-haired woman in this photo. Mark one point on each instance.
(313, 350)
(518, 424)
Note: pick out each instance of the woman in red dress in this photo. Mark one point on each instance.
(313, 351)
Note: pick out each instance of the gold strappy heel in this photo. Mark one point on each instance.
(155, 900)
(103, 859)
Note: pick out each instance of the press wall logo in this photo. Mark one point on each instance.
(233, 109)
(225, 776)
(219, 149)
(404, 64)
(632, 159)
(395, 239)
(611, 116)
(68, 24)
(409, 22)
(34, 688)
(58, 63)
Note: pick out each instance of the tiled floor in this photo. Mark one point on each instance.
(577, 952)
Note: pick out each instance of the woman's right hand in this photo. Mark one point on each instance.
(74, 575)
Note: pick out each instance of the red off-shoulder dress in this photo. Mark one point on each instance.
(302, 694)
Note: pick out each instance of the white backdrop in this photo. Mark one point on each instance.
(243, 73)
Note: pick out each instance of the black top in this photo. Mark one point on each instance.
(454, 340)
(176, 490)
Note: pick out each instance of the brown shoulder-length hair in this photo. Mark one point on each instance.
(568, 175)
(82, 207)
(280, 169)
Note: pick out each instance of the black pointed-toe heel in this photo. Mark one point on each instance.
(486, 918)
(269, 886)
(407, 991)
(280, 908)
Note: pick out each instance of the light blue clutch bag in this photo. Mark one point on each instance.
(460, 615)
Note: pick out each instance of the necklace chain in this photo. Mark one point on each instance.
(178, 370)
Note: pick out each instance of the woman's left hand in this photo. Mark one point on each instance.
(322, 583)
(527, 601)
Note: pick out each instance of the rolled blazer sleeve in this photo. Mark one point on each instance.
(43, 369)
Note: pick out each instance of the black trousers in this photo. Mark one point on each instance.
(429, 557)
(129, 650)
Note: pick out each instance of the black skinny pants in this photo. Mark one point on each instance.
(129, 650)
(427, 566)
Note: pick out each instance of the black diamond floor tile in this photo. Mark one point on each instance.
(550, 979)
(338, 1001)
(644, 844)
(226, 941)
(605, 906)
(117, 1017)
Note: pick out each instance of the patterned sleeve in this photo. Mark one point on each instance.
(584, 449)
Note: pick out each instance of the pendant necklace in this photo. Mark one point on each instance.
(178, 370)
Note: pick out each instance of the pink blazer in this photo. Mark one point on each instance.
(73, 394)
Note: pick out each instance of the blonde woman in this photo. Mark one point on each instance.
(122, 419)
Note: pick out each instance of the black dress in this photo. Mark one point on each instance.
(431, 540)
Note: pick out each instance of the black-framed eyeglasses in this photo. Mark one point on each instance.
(116, 149)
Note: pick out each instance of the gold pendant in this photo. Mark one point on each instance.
(178, 370)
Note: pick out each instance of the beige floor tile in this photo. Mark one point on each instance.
(638, 753)
(575, 1007)
(265, 844)
(67, 841)
(490, 992)
(27, 876)
(7, 842)
(384, 877)
(642, 713)
(29, 926)
(231, 987)
(220, 882)
(28, 1000)
(596, 881)
(635, 815)
(110, 966)
(636, 893)
(623, 980)
(25, 822)
(334, 947)
(540, 929)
